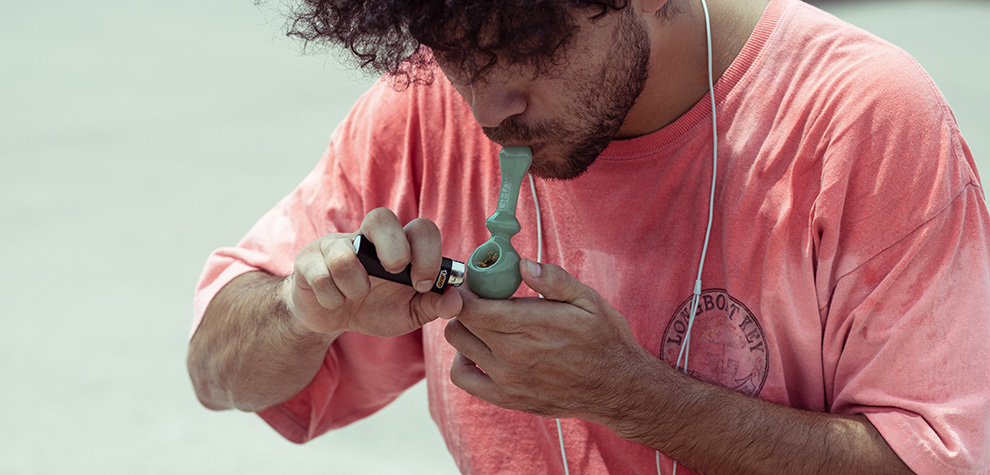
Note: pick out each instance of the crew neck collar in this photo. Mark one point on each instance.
(700, 114)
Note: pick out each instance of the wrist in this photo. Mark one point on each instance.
(646, 410)
(297, 322)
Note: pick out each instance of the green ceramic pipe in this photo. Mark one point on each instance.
(493, 269)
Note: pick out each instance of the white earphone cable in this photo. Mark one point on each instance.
(539, 221)
(696, 296)
(711, 198)
(539, 258)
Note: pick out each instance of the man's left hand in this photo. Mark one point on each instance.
(569, 354)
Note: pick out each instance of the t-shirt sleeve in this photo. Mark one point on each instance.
(366, 165)
(905, 282)
(912, 349)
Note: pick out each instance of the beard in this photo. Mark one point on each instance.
(601, 100)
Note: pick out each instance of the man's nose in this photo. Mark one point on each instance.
(493, 103)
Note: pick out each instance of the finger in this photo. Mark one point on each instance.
(383, 229)
(466, 375)
(484, 317)
(312, 275)
(467, 343)
(349, 276)
(424, 245)
(430, 306)
(554, 283)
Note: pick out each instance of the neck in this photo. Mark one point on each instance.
(678, 75)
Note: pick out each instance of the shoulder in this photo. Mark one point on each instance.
(882, 136)
(846, 66)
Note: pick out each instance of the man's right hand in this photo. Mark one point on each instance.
(330, 291)
(263, 337)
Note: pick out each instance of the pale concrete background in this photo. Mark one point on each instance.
(137, 136)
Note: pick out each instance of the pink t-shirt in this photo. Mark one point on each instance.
(849, 267)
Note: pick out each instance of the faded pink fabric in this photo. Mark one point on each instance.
(849, 270)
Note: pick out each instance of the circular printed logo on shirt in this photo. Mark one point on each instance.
(727, 344)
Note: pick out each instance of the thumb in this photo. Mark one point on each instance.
(446, 305)
(554, 283)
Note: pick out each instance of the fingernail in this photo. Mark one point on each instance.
(424, 285)
(534, 269)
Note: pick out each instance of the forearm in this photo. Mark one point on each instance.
(714, 430)
(248, 353)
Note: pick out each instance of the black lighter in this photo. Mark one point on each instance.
(451, 271)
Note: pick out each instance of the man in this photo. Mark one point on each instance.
(843, 319)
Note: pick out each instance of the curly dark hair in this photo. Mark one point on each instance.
(400, 38)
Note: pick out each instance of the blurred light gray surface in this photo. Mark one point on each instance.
(135, 137)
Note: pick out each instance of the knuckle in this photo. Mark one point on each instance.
(379, 212)
(322, 284)
(327, 293)
(341, 264)
(306, 256)
(421, 314)
(299, 266)
(379, 217)
(308, 271)
(395, 263)
(350, 278)
(422, 226)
